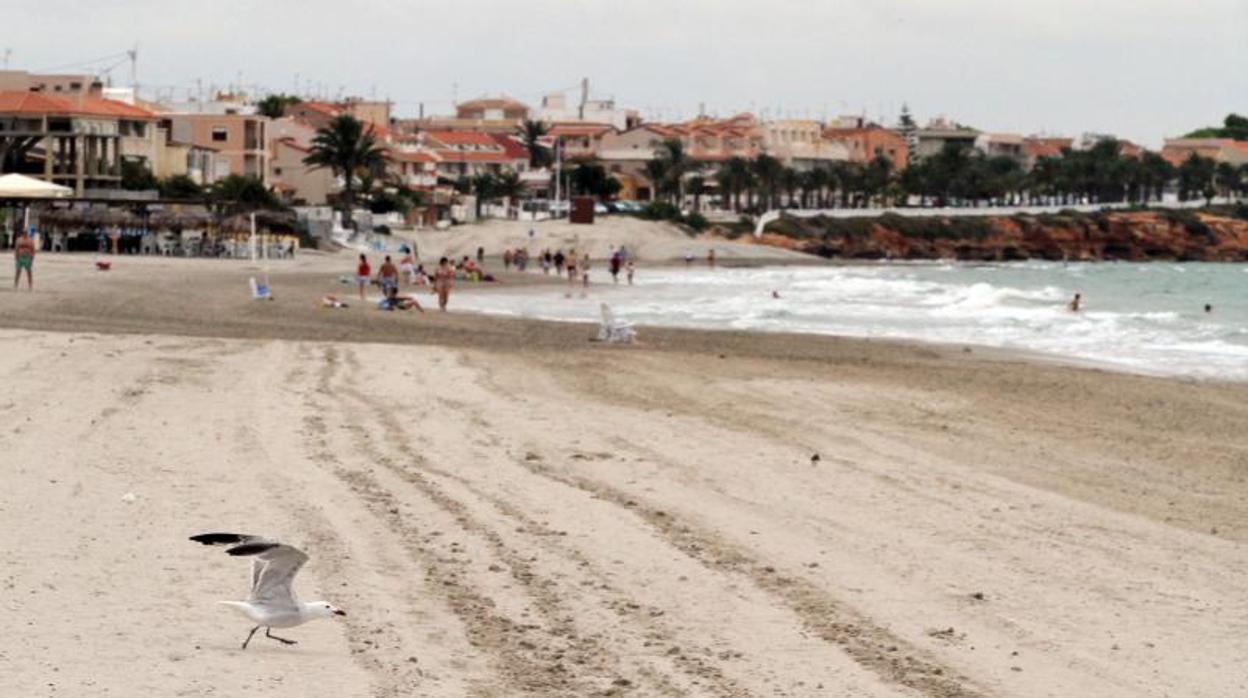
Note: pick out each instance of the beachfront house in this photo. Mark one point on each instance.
(74, 139)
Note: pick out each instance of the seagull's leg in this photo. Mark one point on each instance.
(282, 640)
(253, 632)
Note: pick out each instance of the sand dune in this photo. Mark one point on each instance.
(505, 509)
(646, 240)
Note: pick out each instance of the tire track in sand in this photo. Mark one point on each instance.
(550, 659)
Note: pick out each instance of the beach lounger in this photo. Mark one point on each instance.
(615, 330)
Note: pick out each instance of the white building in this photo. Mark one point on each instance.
(556, 108)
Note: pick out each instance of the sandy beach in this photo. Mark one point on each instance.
(505, 508)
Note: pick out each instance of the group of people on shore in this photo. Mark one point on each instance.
(389, 278)
(575, 266)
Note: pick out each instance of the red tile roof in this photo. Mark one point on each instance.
(21, 102)
(578, 129)
(511, 147)
(491, 103)
(292, 143)
(424, 156)
(462, 138)
(322, 107)
(497, 156)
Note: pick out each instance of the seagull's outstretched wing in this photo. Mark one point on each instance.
(273, 566)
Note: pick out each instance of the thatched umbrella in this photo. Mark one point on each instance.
(179, 220)
(279, 222)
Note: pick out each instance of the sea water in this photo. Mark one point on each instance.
(1146, 317)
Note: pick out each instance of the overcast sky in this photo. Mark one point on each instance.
(1143, 69)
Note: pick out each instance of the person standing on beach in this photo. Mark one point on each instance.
(585, 271)
(710, 258)
(1076, 302)
(559, 260)
(24, 256)
(388, 275)
(362, 274)
(480, 256)
(570, 263)
(407, 266)
(442, 282)
(615, 267)
(628, 268)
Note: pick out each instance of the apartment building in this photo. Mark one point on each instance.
(73, 139)
(801, 143)
(864, 141)
(240, 141)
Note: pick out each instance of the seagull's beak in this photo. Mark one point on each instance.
(339, 612)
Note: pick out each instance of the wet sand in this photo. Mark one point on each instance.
(505, 508)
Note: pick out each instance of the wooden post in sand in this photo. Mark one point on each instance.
(253, 238)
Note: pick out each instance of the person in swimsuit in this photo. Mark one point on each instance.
(570, 265)
(1076, 302)
(24, 255)
(407, 267)
(442, 282)
(362, 274)
(388, 275)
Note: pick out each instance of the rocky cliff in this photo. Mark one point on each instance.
(1128, 236)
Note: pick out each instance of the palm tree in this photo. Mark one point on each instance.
(484, 188)
(736, 174)
(675, 163)
(811, 184)
(768, 170)
(656, 172)
(1226, 176)
(347, 149)
(509, 186)
(697, 187)
(790, 181)
(531, 133)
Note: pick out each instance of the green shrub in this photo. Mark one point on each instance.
(660, 211)
(697, 221)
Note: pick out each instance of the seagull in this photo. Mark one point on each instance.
(272, 603)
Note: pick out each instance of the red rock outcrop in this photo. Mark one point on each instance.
(1127, 235)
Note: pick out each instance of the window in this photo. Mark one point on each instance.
(220, 134)
(75, 86)
(277, 172)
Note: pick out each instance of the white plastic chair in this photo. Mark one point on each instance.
(615, 330)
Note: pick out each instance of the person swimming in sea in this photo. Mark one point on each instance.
(1075, 302)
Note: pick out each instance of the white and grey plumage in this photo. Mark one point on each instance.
(272, 603)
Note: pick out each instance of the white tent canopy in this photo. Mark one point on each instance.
(17, 186)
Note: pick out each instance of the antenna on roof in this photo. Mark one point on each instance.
(134, 69)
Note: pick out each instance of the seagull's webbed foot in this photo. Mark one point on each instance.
(282, 640)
